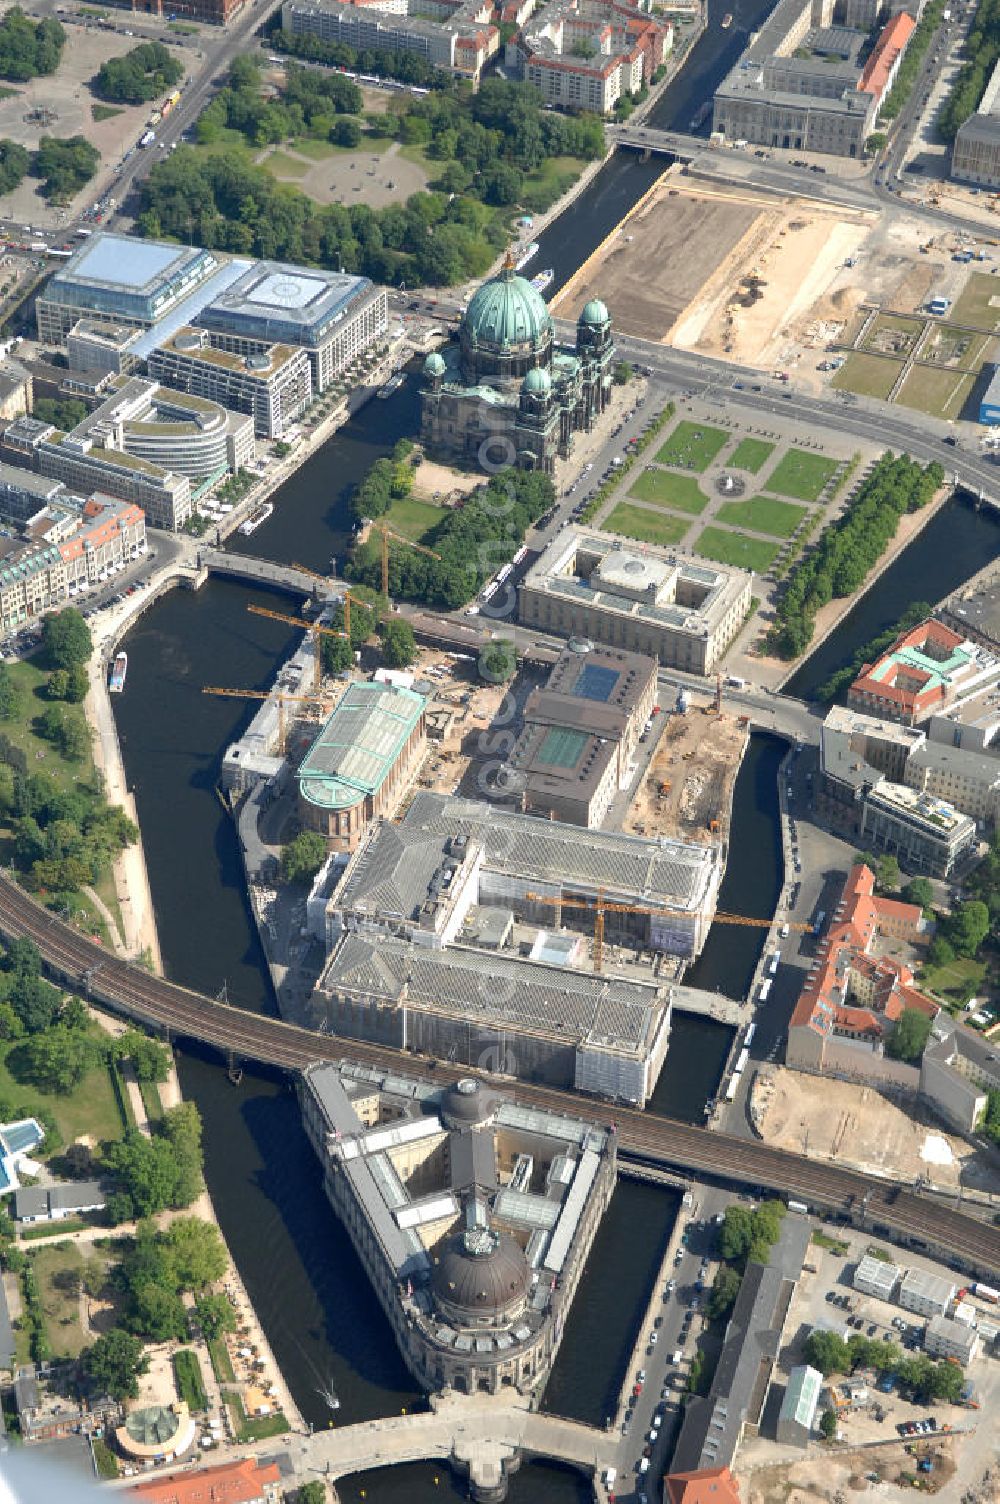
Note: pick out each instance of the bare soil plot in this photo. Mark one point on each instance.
(650, 270)
(890, 335)
(958, 349)
(689, 782)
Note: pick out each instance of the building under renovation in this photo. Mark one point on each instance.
(473, 1217)
(462, 932)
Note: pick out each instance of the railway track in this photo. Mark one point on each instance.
(882, 1206)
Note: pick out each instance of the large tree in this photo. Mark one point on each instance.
(195, 1253)
(827, 1352)
(910, 1035)
(114, 1363)
(968, 926)
(399, 647)
(302, 858)
(66, 638)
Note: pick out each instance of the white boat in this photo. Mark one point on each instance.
(119, 669)
(392, 385)
(526, 255)
(727, 21)
(256, 519)
(544, 280)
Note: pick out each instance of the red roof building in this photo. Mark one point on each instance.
(879, 73)
(710, 1485)
(853, 998)
(245, 1482)
(921, 674)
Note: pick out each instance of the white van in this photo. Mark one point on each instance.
(678, 1357)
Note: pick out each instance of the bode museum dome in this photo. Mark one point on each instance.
(504, 392)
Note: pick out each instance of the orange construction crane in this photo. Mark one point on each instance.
(261, 694)
(387, 532)
(601, 907)
(347, 596)
(316, 629)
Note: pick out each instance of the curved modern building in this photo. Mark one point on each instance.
(505, 392)
(190, 435)
(472, 1216)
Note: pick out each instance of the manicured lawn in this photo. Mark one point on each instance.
(666, 489)
(316, 151)
(801, 474)
(89, 1109)
(650, 527)
(693, 446)
(42, 756)
(960, 980)
(979, 303)
(763, 514)
(940, 394)
(750, 454)
(101, 112)
(414, 518)
(868, 375)
(735, 548)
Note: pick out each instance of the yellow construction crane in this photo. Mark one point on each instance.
(261, 694)
(386, 533)
(316, 629)
(601, 907)
(347, 596)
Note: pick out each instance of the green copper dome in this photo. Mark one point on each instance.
(538, 382)
(595, 312)
(506, 312)
(434, 365)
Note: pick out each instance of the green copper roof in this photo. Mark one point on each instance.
(359, 744)
(434, 364)
(595, 312)
(538, 381)
(507, 311)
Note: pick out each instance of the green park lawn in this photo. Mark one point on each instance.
(979, 303)
(641, 523)
(414, 518)
(664, 488)
(867, 375)
(956, 982)
(751, 454)
(763, 514)
(281, 165)
(693, 446)
(90, 1110)
(801, 474)
(724, 547)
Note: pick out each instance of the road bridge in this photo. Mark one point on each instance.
(482, 1438)
(266, 572)
(880, 1206)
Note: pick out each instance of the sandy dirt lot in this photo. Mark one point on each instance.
(375, 178)
(836, 1475)
(650, 269)
(68, 97)
(695, 764)
(432, 479)
(857, 1125)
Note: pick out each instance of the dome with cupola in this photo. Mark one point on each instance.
(595, 313)
(506, 314)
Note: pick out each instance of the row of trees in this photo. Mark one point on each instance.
(913, 57)
(981, 51)
(157, 1173)
(29, 48)
(64, 164)
(870, 651)
(146, 72)
(473, 542)
(848, 549)
(389, 479)
(919, 1377)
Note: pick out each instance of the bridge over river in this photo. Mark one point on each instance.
(481, 1438)
(936, 1226)
(266, 572)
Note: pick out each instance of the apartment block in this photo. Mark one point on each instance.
(273, 386)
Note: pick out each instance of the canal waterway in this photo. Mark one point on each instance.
(714, 53)
(958, 541)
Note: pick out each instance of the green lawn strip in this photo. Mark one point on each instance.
(763, 514)
(122, 1098)
(32, 1234)
(939, 393)
(751, 454)
(188, 1379)
(105, 1459)
(413, 517)
(649, 527)
(253, 1428)
(222, 1363)
(151, 1100)
(867, 375)
(801, 474)
(90, 1109)
(735, 548)
(693, 446)
(835, 1245)
(976, 305)
(665, 488)
(101, 112)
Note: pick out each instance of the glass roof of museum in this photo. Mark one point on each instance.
(595, 682)
(356, 749)
(562, 747)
